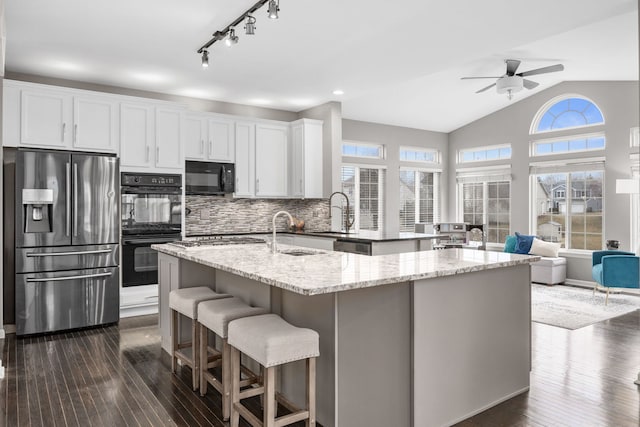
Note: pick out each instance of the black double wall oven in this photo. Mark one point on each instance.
(151, 211)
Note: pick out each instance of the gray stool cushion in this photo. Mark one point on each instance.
(216, 314)
(271, 341)
(186, 300)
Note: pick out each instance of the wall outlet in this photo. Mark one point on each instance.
(204, 214)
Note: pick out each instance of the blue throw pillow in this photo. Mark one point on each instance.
(523, 244)
(510, 244)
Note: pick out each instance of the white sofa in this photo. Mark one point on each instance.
(549, 271)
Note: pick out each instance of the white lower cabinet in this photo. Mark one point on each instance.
(271, 160)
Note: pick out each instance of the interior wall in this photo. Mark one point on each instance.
(194, 104)
(620, 106)
(393, 137)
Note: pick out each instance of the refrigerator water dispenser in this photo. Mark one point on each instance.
(37, 205)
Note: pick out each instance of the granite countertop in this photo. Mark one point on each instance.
(361, 236)
(327, 271)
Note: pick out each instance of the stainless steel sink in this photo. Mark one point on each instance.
(299, 252)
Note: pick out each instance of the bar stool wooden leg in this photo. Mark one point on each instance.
(204, 357)
(235, 386)
(226, 379)
(269, 413)
(174, 340)
(194, 352)
(311, 392)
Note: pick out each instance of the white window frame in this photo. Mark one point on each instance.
(565, 167)
(355, 204)
(534, 143)
(484, 175)
(436, 154)
(436, 192)
(484, 149)
(380, 147)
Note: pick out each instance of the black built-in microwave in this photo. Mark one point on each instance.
(208, 178)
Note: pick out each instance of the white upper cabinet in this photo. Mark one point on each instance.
(95, 124)
(306, 159)
(271, 160)
(245, 142)
(136, 135)
(196, 139)
(209, 138)
(221, 140)
(45, 118)
(150, 137)
(169, 138)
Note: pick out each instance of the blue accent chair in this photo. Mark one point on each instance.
(615, 269)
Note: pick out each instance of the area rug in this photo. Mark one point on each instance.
(573, 308)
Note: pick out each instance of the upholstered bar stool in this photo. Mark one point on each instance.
(215, 315)
(271, 341)
(185, 301)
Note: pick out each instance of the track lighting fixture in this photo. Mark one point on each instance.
(231, 38)
(205, 59)
(250, 25)
(274, 8)
(228, 34)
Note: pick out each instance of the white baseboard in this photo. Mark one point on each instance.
(9, 329)
(1, 333)
(580, 283)
(490, 405)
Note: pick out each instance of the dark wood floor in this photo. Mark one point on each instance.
(118, 375)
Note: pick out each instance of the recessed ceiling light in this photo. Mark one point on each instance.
(338, 92)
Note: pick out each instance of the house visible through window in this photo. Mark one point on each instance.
(365, 188)
(418, 198)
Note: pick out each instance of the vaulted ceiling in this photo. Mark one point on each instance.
(397, 62)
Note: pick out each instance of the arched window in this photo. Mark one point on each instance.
(567, 112)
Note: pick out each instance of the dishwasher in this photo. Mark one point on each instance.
(353, 247)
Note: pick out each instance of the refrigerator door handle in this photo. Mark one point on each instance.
(75, 199)
(61, 279)
(46, 254)
(68, 189)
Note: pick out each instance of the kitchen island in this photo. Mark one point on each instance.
(413, 339)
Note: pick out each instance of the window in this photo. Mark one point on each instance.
(358, 149)
(574, 144)
(421, 155)
(485, 198)
(365, 188)
(569, 204)
(567, 112)
(481, 154)
(418, 198)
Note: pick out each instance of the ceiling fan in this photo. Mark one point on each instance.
(511, 82)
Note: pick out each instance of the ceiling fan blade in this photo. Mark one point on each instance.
(549, 69)
(469, 78)
(486, 88)
(529, 84)
(512, 66)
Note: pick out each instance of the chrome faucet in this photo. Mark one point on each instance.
(347, 224)
(274, 249)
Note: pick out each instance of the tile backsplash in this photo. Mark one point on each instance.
(218, 215)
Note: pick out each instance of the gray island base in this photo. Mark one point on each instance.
(413, 339)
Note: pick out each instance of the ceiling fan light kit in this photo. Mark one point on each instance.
(511, 82)
(228, 34)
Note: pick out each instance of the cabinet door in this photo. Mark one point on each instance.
(168, 138)
(94, 124)
(136, 135)
(45, 119)
(245, 159)
(296, 184)
(312, 171)
(271, 160)
(195, 137)
(221, 141)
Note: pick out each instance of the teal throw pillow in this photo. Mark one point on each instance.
(510, 244)
(523, 244)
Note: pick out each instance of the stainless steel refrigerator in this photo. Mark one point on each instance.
(66, 239)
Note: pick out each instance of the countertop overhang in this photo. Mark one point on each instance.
(360, 236)
(327, 271)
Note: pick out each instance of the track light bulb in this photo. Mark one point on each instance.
(205, 59)
(274, 8)
(250, 26)
(231, 38)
